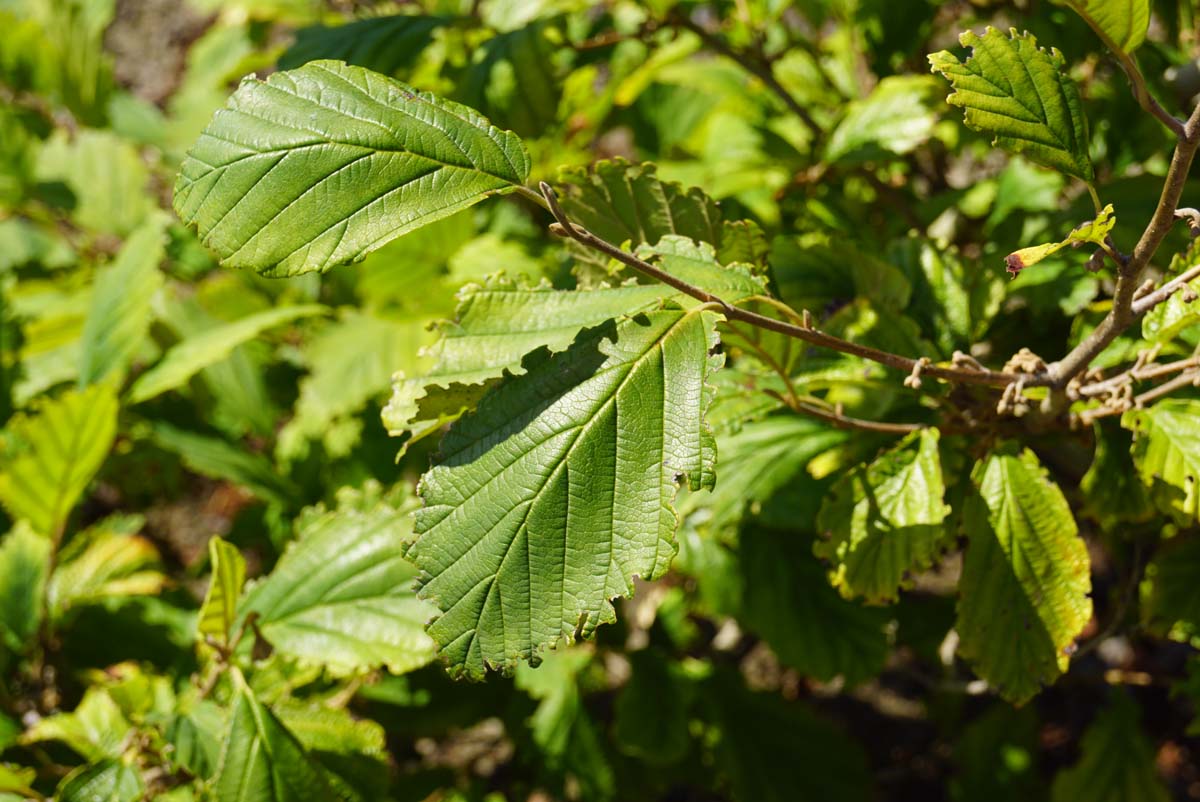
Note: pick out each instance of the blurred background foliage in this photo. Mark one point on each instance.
(207, 403)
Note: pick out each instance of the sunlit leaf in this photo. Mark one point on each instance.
(24, 566)
(1093, 232)
(107, 560)
(320, 165)
(1019, 93)
(1166, 451)
(883, 522)
(1122, 24)
(896, 117)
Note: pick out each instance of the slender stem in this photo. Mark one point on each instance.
(566, 228)
(1142, 94)
(1188, 378)
(1138, 374)
(846, 422)
(1095, 197)
(1152, 299)
(1129, 274)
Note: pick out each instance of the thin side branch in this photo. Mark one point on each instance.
(1129, 275)
(921, 367)
(1152, 299)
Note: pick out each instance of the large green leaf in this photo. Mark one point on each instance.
(775, 750)
(383, 44)
(1020, 94)
(262, 761)
(320, 165)
(209, 347)
(1166, 451)
(500, 322)
(558, 490)
(342, 594)
(24, 566)
(220, 608)
(119, 317)
(883, 522)
(51, 453)
(1122, 24)
(1117, 763)
(1025, 580)
(96, 728)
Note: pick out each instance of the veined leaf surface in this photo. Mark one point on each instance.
(1020, 94)
(321, 165)
(558, 490)
(1122, 24)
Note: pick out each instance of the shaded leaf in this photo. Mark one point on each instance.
(51, 454)
(1019, 93)
(219, 459)
(1182, 310)
(320, 165)
(383, 44)
(1170, 595)
(1117, 762)
(883, 522)
(517, 565)
(105, 781)
(651, 711)
(107, 560)
(895, 118)
(1025, 580)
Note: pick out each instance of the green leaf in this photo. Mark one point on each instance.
(106, 781)
(883, 522)
(557, 491)
(320, 165)
(1122, 24)
(787, 601)
(622, 202)
(1025, 580)
(500, 322)
(1020, 94)
(342, 594)
(24, 565)
(108, 560)
(775, 750)
(1166, 451)
(17, 780)
(220, 608)
(1170, 595)
(896, 118)
(512, 80)
(262, 761)
(189, 357)
(1094, 232)
(52, 453)
(119, 317)
(1182, 310)
(383, 44)
(1113, 492)
(1117, 763)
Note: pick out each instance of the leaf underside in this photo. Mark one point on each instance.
(559, 489)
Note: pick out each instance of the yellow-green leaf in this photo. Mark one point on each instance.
(219, 610)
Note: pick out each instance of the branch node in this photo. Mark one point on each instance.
(966, 362)
(806, 319)
(1192, 216)
(914, 379)
(1145, 289)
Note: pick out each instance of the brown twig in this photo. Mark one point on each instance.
(566, 228)
(1129, 275)
(1152, 299)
